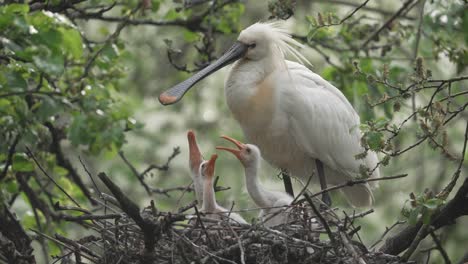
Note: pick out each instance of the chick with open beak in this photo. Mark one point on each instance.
(210, 206)
(274, 204)
(195, 160)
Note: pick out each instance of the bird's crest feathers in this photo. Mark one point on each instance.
(281, 38)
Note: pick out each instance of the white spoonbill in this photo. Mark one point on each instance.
(195, 161)
(300, 122)
(210, 206)
(250, 157)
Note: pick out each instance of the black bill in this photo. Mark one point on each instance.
(174, 94)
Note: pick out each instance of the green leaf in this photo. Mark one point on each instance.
(60, 171)
(171, 15)
(72, 43)
(17, 8)
(15, 81)
(52, 65)
(426, 217)
(190, 36)
(413, 217)
(155, 5)
(11, 187)
(46, 108)
(21, 163)
(433, 203)
(375, 140)
(77, 132)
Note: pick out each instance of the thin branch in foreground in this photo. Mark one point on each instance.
(141, 176)
(439, 247)
(445, 216)
(30, 154)
(448, 189)
(9, 159)
(322, 220)
(90, 176)
(355, 182)
(135, 172)
(64, 162)
(387, 230)
(387, 23)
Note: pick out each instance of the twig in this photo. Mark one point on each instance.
(387, 229)
(64, 162)
(415, 54)
(135, 172)
(30, 92)
(322, 221)
(132, 210)
(239, 242)
(199, 221)
(353, 12)
(350, 248)
(419, 236)
(304, 189)
(9, 159)
(90, 176)
(76, 246)
(165, 167)
(457, 173)
(91, 258)
(204, 250)
(445, 216)
(30, 154)
(354, 182)
(439, 247)
(368, 8)
(387, 23)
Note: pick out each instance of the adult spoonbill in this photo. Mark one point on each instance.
(210, 206)
(300, 122)
(195, 161)
(273, 202)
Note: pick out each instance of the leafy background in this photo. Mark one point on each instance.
(80, 80)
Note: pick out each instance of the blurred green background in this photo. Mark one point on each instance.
(135, 69)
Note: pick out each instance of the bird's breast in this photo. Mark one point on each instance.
(251, 101)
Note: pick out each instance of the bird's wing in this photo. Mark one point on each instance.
(322, 121)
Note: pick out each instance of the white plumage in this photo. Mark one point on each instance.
(210, 206)
(273, 203)
(293, 115)
(195, 161)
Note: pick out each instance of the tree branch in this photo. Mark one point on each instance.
(387, 23)
(446, 216)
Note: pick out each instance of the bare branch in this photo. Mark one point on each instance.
(387, 23)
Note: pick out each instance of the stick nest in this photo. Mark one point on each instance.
(129, 235)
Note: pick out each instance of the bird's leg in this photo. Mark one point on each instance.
(323, 183)
(287, 183)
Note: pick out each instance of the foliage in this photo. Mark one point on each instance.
(76, 73)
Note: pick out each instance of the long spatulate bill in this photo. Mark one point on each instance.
(174, 94)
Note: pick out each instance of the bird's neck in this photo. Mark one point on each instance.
(209, 199)
(254, 187)
(198, 188)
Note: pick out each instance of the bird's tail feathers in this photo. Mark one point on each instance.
(359, 195)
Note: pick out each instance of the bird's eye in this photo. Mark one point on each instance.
(248, 150)
(253, 45)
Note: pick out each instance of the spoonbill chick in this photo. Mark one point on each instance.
(210, 206)
(195, 161)
(299, 121)
(273, 202)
